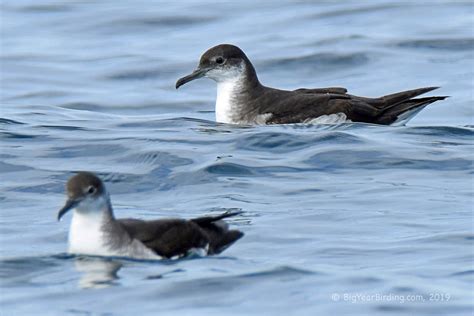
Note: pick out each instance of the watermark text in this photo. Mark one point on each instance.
(389, 297)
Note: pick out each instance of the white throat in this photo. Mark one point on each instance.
(230, 82)
(86, 235)
(226, 105)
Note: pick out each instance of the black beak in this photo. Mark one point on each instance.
(198, 73)
(70, 204)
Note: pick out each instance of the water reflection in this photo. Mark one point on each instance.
(97, 272)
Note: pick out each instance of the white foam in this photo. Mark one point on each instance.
(263, 118)
(201, 252)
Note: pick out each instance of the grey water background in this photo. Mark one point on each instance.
(349, 219)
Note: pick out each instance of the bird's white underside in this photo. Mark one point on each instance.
(403, 118)
(86, 235)
(336, 118)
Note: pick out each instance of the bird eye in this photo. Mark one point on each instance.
(91, 190)
(219, 60)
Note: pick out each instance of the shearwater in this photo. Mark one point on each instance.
(242, 99)
(95, 230)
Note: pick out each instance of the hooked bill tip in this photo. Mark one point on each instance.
(70, 204)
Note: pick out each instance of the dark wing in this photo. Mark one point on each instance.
(298, 107)
(175, 237)
(334, 90)
(304, 104)
(167, 237)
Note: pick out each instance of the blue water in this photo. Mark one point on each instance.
(349, 219)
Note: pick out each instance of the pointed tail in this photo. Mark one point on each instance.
(218, 231)
(399, 108)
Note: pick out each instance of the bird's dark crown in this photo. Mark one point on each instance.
(226, 51)
(84, 183)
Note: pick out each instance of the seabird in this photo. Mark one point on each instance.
(242, 99)
(95, 230)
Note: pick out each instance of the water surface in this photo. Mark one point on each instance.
(339, 219)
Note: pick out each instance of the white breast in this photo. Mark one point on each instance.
(225, 101)
(86, 236)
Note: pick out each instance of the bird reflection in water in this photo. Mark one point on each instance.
(97, 272)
